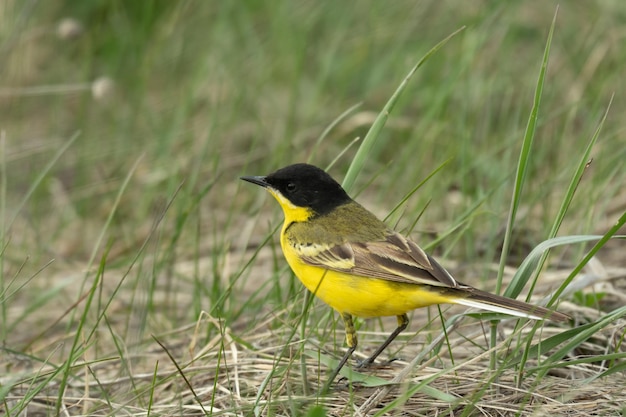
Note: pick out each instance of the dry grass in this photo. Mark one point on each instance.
(243, 370)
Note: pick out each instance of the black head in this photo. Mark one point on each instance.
(305, 185)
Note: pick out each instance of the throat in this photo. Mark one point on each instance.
(295, 214)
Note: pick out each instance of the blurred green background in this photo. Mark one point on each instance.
(197, 93)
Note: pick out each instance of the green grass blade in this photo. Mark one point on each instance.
(524, 158)
(584, 360)
(76, 345)
(520, 177)
(5, 225)
(601, 241)
(524, 273)
(520, 280)
(372, 135)
(619, 367)
(592, 252)
(329, 128)
(92, 291)
(417, 187)
(42, 174)
(530, 264)
(580, 335)
(550, 343)
(3, 239)
(316, 411)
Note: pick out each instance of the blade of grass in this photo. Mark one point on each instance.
(417, 187)
(583, 360)
(3, 243)
(546, 345)
(39, 300)
(524, 158)
(107, 225)
(329, 128)
(534, 258)
(374, 132)
(617, 367)
(41, 381)
(81, 322)
(76, 346)
(343, 151)
(610, 234)
(182, 374)
(605, 238)
(519, 280)
(6, 225)
(569, 340)
(153, 385)
(461, 220)
(520, 177)
(299, 326)
(41, 177)
(529, 265)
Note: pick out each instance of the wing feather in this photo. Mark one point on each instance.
(395, 259)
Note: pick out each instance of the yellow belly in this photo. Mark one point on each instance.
(362, 296)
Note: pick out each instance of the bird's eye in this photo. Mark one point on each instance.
(291, 187)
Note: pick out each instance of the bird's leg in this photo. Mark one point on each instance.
(352, 342)
(403, 321)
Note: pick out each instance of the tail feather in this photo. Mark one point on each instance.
(498, 304)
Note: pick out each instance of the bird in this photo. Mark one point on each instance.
(360, 267)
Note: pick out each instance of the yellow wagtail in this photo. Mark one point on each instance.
(351, 260)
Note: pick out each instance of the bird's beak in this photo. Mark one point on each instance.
(258, 180)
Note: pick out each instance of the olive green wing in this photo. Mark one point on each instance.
(395, 259)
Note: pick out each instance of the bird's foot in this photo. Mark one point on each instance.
(371, 363)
